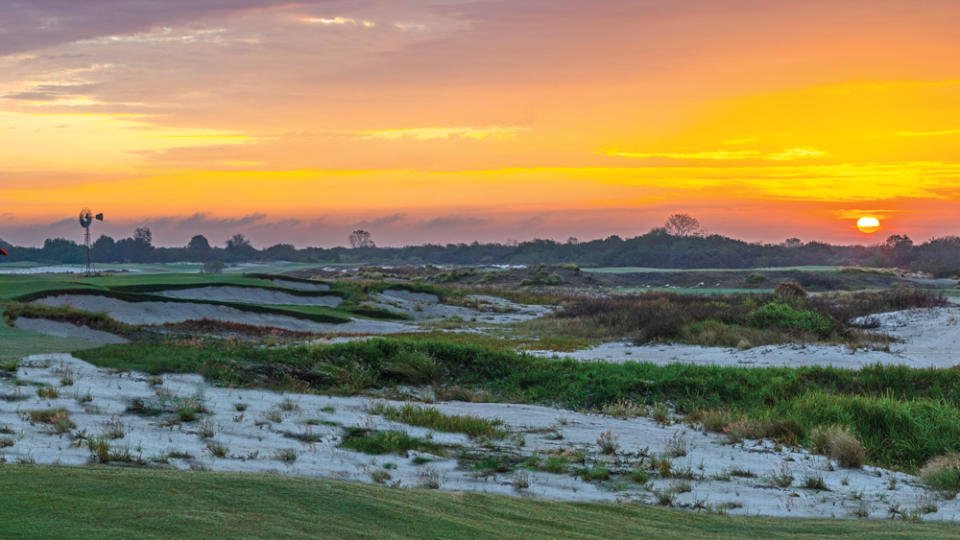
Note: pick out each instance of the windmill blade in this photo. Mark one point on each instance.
(100, 216)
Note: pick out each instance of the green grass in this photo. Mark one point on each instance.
(100, 502)
(903, 416)
(16, 343)
(387, 442)
(428, 417)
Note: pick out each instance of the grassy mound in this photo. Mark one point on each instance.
(97, 502)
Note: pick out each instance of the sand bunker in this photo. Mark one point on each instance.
(155, 313)
(930, 339)
(251, 295)
(67, 330)
(252, 439)
(427, 307)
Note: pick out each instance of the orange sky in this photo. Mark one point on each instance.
(457, 120)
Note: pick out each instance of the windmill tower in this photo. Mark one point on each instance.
(86, 219)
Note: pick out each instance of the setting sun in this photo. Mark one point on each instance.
(868, 224)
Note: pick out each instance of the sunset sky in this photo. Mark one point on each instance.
(491, 120)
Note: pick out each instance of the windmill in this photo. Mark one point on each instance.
(86, 219)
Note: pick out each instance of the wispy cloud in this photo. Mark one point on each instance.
(338, 21)
(458, 132)
(928, 133)
(726, 155)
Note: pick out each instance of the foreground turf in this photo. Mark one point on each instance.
(55, 502)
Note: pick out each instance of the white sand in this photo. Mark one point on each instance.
(931, 338)
(154, 313)
(67, 330)
(427, 307)
(252, 442)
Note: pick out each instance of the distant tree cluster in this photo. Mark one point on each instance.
(680, 243)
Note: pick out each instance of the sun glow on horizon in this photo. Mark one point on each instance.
(868, 224)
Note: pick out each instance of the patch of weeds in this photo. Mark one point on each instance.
(624, 408)
(608, 442)
(927, 505)
(681, 486)
(594, 473)
(287, 405)
(742, 473)
(47, 392)
(420, 460)
(861, 510)
(113, 429)
(306, 436)
(84, 398)
(639, 476)
(240, 406)
(58, 419)
(16, 395)
(432, 418)
(217, 449)
(815, 482)
(556, 464)
(178, 454)
(206, 429)
(328, 409)
(101, 452)
(286, 455)
(663, 466)
(677, 445)
(390, 466)
(665, 497)
(428, 479)
(380, 477)
(66, 377)
(6, 442)
(520, 480)
(781, 476)
(273, 415)
(386, 442)
(660, 414)
(500, 463)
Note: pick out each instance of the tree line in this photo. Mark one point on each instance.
(679, 244)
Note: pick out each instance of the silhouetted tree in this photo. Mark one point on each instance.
(361, 239)
(683, 225)
(199, 243)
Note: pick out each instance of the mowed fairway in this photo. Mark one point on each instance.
(16, 343)
(96, 502)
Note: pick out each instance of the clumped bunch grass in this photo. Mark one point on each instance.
(608, 442)
(286, 455)
(47, 392)
(943, 473)
(387, 442)
(841, 444)
(432, 418)
(57, 419)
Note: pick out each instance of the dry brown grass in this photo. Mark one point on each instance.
(943, 472)
(841, 444)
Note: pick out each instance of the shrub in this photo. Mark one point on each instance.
(639, 476)
(556, 464)
(47, 392)
(756, 278)
(594, 473)
(841, 444)
(790, 290)
(412, 366)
